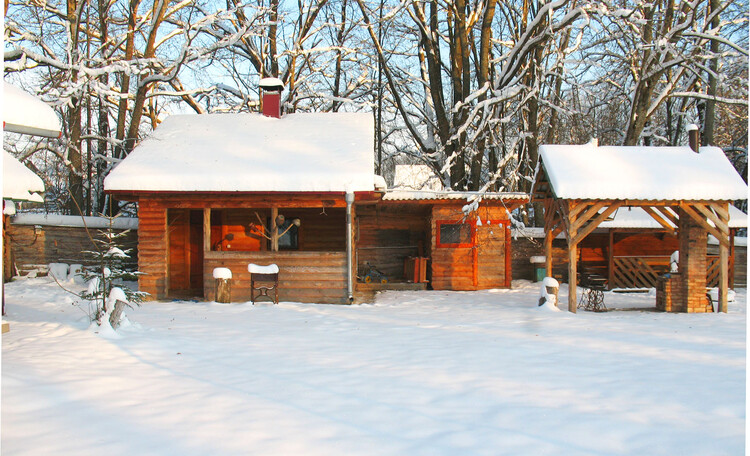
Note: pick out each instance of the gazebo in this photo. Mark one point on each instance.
(684, 188)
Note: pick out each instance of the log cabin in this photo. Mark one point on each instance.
(299, 191)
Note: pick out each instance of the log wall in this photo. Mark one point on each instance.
(152, 248)
(388, 234)
(318, 277)
(57, 244)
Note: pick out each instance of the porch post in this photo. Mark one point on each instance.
(548, 237)
(723, 214)
(206, 229)
(572, 276)
(274, 230)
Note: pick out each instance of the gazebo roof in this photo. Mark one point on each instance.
(640, 173)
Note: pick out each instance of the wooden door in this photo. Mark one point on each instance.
(185, 268)
(492, 265)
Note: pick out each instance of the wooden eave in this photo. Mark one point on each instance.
(180, 199)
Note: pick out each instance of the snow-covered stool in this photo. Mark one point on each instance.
(264, 279)
(223, 278)
(550, 289)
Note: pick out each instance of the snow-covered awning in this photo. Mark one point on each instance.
(19, 182)
(24, 113)
(311, 152)
(640, 173)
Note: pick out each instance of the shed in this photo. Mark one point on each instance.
(683, 187)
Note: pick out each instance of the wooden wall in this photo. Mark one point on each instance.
(318, 277)
(387, 234)
(57, 244)
(152, 248)
(485, 265)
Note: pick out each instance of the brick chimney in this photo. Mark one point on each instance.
(694, 136)
(271, 89)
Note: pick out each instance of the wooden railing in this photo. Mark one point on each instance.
(642, 271)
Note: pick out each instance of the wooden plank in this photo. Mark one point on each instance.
(669, 213)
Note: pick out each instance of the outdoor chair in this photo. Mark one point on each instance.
(264, 279)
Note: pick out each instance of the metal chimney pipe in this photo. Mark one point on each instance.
(694, 137)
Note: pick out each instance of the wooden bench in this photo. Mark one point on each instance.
(264, 279)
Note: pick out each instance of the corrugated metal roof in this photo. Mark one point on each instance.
(425, 195)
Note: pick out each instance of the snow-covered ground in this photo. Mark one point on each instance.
(416, 373)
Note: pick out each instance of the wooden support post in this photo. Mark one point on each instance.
(723, 276)
(722, 212)
(206, 229)
(572, 276)
(611, 260)
(548, 237)
(274, 230)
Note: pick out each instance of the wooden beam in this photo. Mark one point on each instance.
(595, 222)
(576, 207)
(659, 218)
(669, 213)
(722, 225)
(580, 221)
(722, 237)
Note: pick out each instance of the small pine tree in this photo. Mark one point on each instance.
(105, 272)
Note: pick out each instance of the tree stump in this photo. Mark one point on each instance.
(114, 317)
(224, 290)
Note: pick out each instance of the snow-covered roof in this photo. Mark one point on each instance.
(417, 195)
(118, 223)
(416, 177)
(311, 152)
(640, 173)
(19, 182)
(636, 217)
(25, 113)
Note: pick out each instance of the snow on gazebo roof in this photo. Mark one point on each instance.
(640, 173)
(19, 182)
(24, 113)
(311, 152)
(636, 217)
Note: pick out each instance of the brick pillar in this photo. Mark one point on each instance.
(693, 245)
